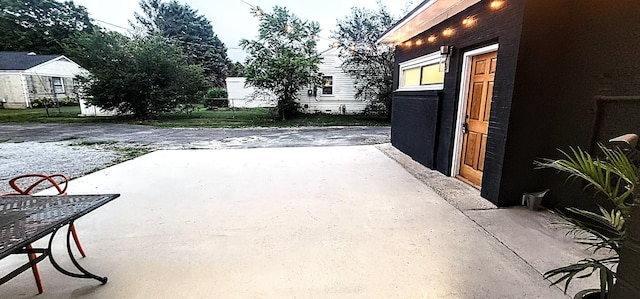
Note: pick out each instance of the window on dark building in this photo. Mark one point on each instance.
(422, 73)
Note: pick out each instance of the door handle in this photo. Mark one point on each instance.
(465, 128)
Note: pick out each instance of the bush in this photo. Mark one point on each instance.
(42, 102)
(218, 93)
(215, 98)
(69, 101)
(375, 109)
(49, 102)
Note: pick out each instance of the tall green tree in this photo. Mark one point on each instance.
(143, 76)
(191, 31)
(236, 69)
(283, 58)
(369, 64)
(40, 26)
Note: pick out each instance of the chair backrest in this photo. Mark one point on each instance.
(59, 181)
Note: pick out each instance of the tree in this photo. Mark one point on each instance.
(192, 32)
(283, 59)
(143, 76)
(369, 64)
(236, 69)
(40, 26)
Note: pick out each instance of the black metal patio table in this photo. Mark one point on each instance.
(25, 219)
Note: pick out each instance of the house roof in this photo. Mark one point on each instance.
(426, 15)
(20, 61)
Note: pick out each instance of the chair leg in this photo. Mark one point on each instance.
(34, 267)
(75, 238)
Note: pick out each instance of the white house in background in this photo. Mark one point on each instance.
(336, 95)
(25, 77)
(246, 97)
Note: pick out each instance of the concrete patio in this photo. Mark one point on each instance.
(321, 222)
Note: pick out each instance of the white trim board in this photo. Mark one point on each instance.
(462, 103)
(416, 62)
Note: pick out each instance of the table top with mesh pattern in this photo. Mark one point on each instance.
(24, 218)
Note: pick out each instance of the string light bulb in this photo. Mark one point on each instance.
(352, 48)
(431, 38)
(288, 28)
(469, 21)
(335, 45)
(447, 32)
(419, 42)
(496, 4)
(408, 44)
(258, 12)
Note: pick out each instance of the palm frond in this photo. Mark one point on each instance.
(615, 218)
(615, 176)
(594, 230)
(585, 268)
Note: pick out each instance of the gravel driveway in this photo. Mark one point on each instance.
(77, 149)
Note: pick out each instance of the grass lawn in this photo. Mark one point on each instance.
(221, 118)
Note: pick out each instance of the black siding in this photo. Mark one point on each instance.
(414, 123)
(571, 53)
(556, 59)
(502, 26)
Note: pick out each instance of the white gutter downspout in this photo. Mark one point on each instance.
(25, 91)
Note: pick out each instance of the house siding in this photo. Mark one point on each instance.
(21, 87)
(343, 95)
(412, 132)
(241, 96)
(42, 87)
(11, 91)
(571, 53)
(503, 27)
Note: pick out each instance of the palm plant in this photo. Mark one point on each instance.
(616, 177)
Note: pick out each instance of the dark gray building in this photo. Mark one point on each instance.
(485, 87)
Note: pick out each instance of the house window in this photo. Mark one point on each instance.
(327, 85)
(422, 73)
(58, 86)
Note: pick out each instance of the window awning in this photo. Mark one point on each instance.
(428, 14)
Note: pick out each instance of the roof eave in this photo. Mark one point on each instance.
(426, 15)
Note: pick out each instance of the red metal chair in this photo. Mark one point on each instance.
(28, 185)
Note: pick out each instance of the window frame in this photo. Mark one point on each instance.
(420, 62)
(323, 85)
(53, 84)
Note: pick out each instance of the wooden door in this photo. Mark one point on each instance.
(474, 145)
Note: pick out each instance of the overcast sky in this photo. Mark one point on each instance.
(232, 20)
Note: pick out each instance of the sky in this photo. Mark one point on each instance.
(232, 19)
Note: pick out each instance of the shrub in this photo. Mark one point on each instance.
(42, 102)
(49, 102)
(375, 109)
(214, 98)
(69, 101)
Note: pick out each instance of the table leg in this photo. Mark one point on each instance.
(32, 262)
(84, 273)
